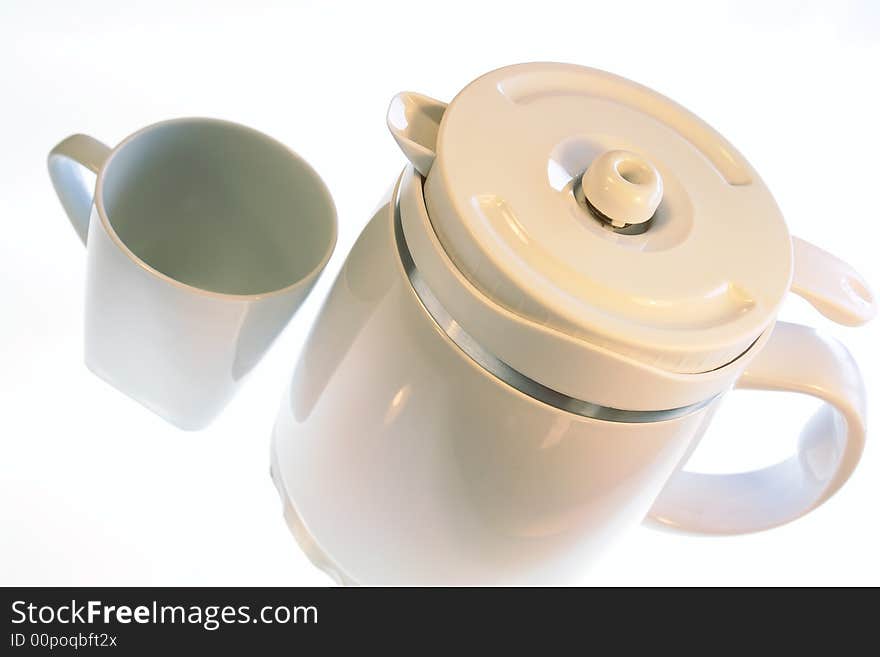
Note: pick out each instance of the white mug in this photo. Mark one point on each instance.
(203, 238)
(432, 435)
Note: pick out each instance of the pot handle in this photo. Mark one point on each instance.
(73, 165)
(795, 359)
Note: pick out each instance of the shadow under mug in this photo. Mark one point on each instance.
(203, 238)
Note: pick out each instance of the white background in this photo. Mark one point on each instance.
(96, 490)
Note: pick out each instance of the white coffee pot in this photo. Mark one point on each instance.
(534, 330)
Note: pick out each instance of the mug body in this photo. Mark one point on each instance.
(402, 460)
(204, 238)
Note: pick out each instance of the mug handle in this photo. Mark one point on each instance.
(70, 164)
(795, 359)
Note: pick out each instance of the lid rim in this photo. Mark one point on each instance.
(574, 367)
(694, 329)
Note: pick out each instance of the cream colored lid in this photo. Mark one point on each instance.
(601, 209)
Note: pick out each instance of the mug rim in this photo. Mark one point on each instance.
(108, 226)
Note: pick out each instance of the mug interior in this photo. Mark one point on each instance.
(218, 206)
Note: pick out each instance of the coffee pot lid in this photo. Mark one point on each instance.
(596, 207)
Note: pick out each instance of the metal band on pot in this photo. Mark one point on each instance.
(502, 371)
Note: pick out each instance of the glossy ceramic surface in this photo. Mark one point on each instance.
(404, 461)
(517, 151)
(203, 239)
(401, 459)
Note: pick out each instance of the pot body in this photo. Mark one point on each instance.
(402, 461)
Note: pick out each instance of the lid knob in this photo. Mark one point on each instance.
(623, 187)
